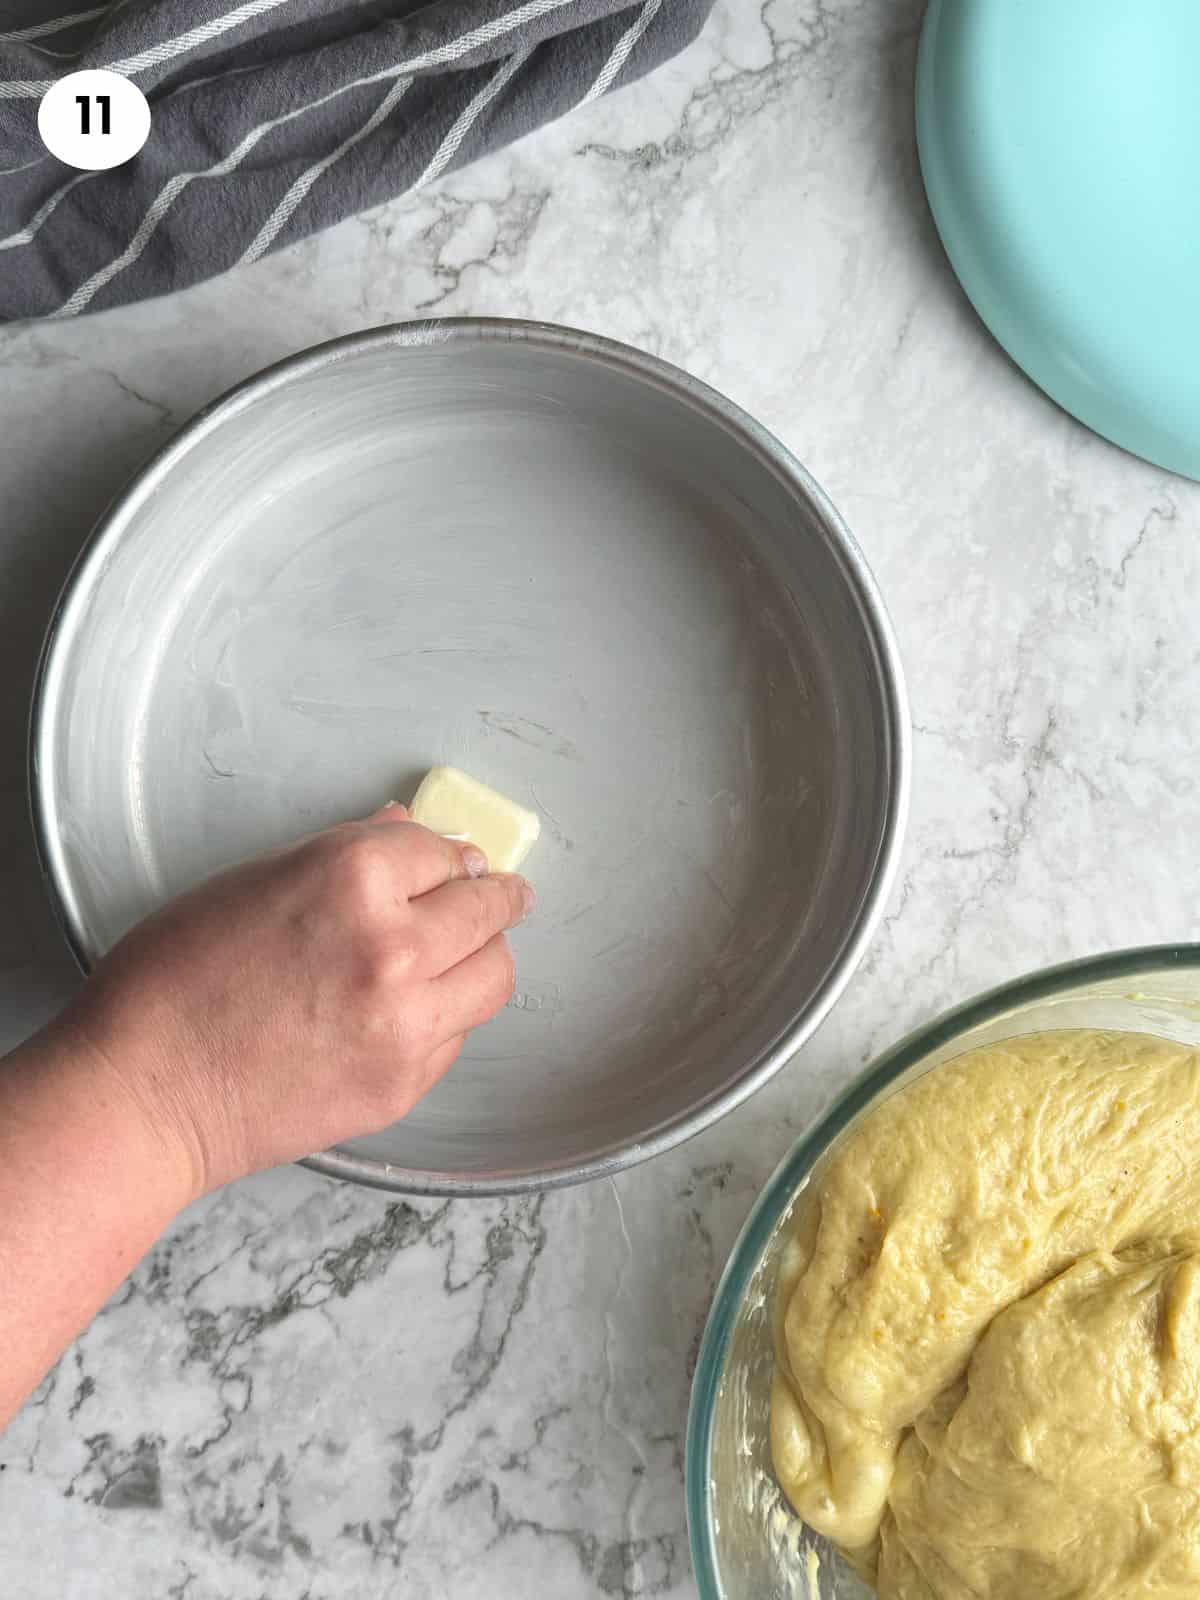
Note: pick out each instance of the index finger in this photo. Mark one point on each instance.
(458, 919)
(424, 860)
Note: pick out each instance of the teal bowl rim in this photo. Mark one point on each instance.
(1028, 347)
(798, 1162)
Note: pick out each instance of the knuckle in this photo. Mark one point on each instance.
(401, 1033)
(518, 901)
(504, 981)
(483, 908)
(451, 1052)
(388, 962)
(362, 874)
(414, 1033)
(473, 919)
(400, 958)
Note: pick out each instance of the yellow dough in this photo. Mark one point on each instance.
(452, 802)
(988, 1329)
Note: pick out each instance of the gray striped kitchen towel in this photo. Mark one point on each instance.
(274, 118)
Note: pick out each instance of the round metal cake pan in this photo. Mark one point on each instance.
(581, 575)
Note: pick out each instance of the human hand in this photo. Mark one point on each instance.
(303, 998)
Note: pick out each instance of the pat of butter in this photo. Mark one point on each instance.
(451, 802)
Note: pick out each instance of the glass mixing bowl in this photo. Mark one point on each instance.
(747, 1543)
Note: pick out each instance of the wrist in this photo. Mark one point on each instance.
(108, 1103)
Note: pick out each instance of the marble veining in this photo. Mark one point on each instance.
(311, 1391)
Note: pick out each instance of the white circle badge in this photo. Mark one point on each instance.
(94, 120)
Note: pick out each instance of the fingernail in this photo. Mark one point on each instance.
(475, 861)
(528, 898)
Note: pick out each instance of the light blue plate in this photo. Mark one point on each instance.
(1060, 143)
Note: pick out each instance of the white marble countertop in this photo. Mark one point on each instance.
(310, 1390)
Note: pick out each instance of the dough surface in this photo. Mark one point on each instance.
(988, 1328)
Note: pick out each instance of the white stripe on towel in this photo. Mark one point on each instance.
(167, 197)
(487, 33)
(438, 57)
(466, 120)
(157, 54)
(266, 234)
(171, 191)
(622, 50)
(454, 138)
(54, 25)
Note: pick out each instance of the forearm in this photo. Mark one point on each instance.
(286, 1005)
(86, 1186)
